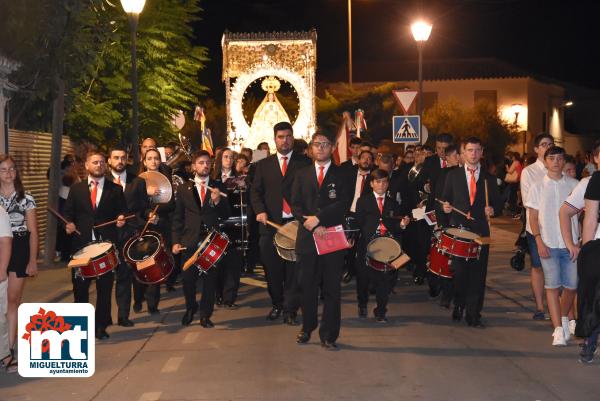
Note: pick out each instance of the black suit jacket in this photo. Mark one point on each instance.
(443, 219)
(430, 172)
(78, 209)
(351, 174)
(329, 203)
(269, 187)
(456, 192)
(367, 216)
(191, 218)
(136, 199)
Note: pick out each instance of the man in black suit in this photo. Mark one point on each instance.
(464, 189)
(320, 199)
(93, 201)
(271, 195)
(198, 209)
(374, 211)
(358, 174)
(355, 151)
(136, 198)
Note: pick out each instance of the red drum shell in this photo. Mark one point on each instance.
(439, 263)
(459, 246)
(99, 264)
(212, 250)
(155, 271)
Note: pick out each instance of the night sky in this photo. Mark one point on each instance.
(557, 39)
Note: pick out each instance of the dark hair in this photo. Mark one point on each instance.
(554, 150)
(19, 189)
(472, 139)
(242, 156)
(300, 145)
(570, 159)
(331, 138)
(366, 143)
(151, 150)
(282, 126)
(427, 148)
(198, 154)
(444, 138)
(355, 141)
(219, 163)
(452, 148)
(542, 135)
(66, 161)
(365, 151)
(596, 148)
(378, 174)
(261, 144)
(171, 145)
(117, 148)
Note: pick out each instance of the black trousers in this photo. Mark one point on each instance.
(469, 283)
(123, 289)
(588, 289)
(312, 271)
(228, 275)
(104, 284)
(146, 292)
(190, 280)
(422, 245)
(281, 275)
(368, 277)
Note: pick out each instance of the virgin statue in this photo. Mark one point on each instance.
(269, 112)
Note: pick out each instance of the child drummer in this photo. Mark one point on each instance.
(376, 215)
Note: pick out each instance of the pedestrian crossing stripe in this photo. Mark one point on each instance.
(406, 129)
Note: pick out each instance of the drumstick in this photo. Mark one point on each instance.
(61, 218)
(211, 188)
(148, 222)
(274, 225)
(456, 210)
(279, 230)
(487, 203)
(108, 223)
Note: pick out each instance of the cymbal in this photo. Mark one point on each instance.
(157, 180)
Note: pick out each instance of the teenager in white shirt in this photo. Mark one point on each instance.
(543, 202)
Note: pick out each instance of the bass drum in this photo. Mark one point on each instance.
(151, 262)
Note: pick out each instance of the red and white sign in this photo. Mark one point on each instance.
(405, 98)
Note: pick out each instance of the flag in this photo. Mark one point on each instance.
(200, 117)
(206, 137)
(342, 151)
(207, 142)
(361, 123)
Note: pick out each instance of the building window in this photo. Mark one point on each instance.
(488, 97)
(429, 99)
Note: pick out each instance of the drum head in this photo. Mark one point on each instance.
(143, 248)
(384, 249)
(93, 250)
(461, 233)
(284, 241)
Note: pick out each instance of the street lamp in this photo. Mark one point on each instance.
(517, 109)
(420, 31)
(133, 8)
(350, 42)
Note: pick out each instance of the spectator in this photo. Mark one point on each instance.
(512, 179)
(570, 168)
(7, 361)
(590, 167)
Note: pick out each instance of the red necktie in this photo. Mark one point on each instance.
(321, 175)
(382, 229)
(444, 164)
(118, 181)
(94, 193)
(202, 191)
(472, 185)
(362, 184)
(286, 207)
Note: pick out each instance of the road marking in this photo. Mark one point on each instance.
(154, 396)
(172, 364)
(254, 282)
(190, 338)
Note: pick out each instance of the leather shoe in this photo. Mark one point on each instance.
(274, 314)
(475, 323)
(303, 337)
(206, 323)
(153, 311)
(457, 313)
(329, 345)
(347, 278)
(419, 280)
(101, 333)
(219, 301)
(289, 318)
(125, 322)
(362, 311)
(188, 316)
(137, 307)
(170, 288)
(230, 305)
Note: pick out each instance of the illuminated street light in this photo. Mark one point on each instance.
(420, 31)
(133, 8)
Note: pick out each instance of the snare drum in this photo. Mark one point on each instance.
(382, 252)
(439, 263)
(459, 242)
(285, 244)
(95, 259)
(210, 251)
(237, 231)
(151, 262)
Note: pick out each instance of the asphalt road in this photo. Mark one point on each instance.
(419, 355)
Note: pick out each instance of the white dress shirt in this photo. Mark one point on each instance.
(357, 187)
(317, 169)
(577, 199)
(529, 176)
(100, 185)
(122, 176)
(280, 159)
(546, 196)
(377, 196)
(468, 174)
(198, 182)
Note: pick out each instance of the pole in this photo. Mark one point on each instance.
(350, 42)
(420, 96)
(134, 139)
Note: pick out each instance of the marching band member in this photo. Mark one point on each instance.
(464, 190)
(320, 198)
(271, 196)
(93, 201)
(197, 210)
(374, 210)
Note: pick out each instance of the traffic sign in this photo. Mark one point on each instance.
(407, 129)
(404, 98)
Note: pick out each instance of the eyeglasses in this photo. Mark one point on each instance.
(546, 144)
(321, 145)
(8, 170)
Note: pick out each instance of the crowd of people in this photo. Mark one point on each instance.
(416, 200)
